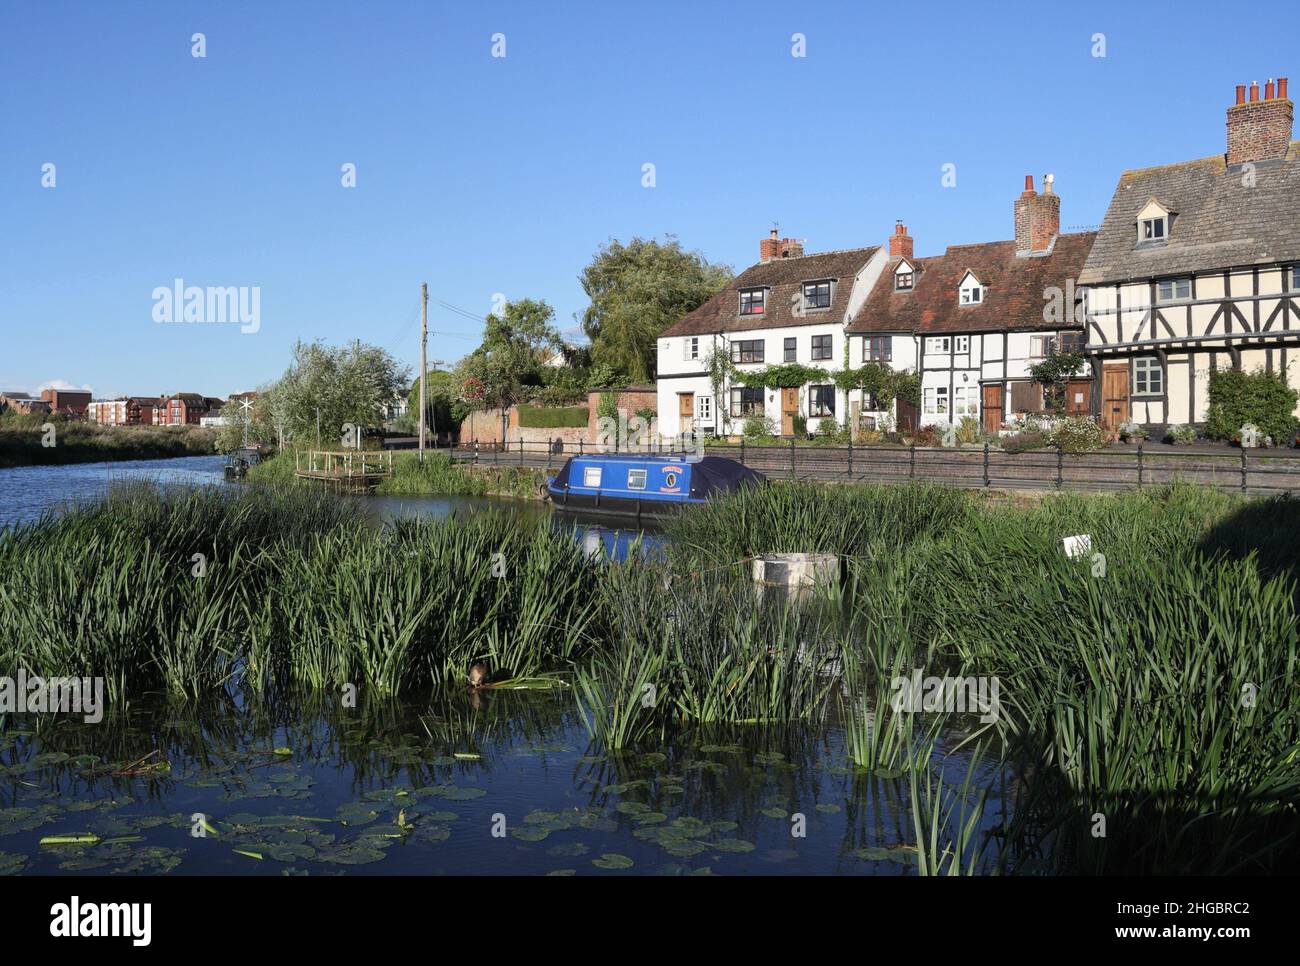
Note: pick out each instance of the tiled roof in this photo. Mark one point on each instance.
(1218, 223)
(782, 278)
(1015, 289)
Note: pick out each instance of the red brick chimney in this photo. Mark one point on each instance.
(1038, 217)
(900, 242)
(1259, 129)
(772, 248)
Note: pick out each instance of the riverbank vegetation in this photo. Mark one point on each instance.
(438, 475)
(42, 439)
(1148, 708)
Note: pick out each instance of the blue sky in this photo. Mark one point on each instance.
(485, 175)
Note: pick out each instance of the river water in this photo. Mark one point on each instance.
(29, 491)
(498, 782)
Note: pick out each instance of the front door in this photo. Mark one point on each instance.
(1114, 395)
(906, 415)
(992, 408)
(685, 412)
(789, 410)
(1078, 397)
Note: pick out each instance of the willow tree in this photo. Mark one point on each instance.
(637, 290)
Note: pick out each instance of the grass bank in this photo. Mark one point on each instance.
(436, 476)
(23, 442)
(1149, 689)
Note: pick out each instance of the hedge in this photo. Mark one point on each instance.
(537, 417)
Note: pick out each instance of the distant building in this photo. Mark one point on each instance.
(124, 411)
(70, 402)
(21, 402)
(186, 409)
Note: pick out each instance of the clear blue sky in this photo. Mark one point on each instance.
(485, 175)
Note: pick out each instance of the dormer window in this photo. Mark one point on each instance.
(1153, 223)
(971, 292)
(903, 281)
(817, 295)
(752, 300)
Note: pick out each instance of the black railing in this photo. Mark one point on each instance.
(979, 465)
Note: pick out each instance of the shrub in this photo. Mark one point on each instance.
(801, 426)
(1132, 431)
(1181, 435)
(968, 430)
(536, 417)
(871, 437)
(758, 426)
(927, 436)
(1079, 434)
(1263, 399)
(1023, 442)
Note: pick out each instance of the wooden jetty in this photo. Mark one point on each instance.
(347, 469)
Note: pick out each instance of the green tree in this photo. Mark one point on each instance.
(327, 387)
(508, 367)
(637, 290)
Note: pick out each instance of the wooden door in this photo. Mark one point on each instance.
(1114, 395)
(789, 410)
(685, 412)
(1078, 397)
(992, 408)
(906, 416)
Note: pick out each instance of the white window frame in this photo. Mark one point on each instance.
(965, 401)
(1040, 346)
(1152, 230)
(961, 345)
(972, 294)
(691, 348)
(704, 408)
(940, 345)
(1295, 278)
(936, 401)
(898, 281)
(590, 474)
(815, 285)
(1174, 284)
(1149, 366)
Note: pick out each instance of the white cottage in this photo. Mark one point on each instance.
(789, 308)
(974, 320)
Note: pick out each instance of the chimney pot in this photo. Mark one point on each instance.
(1281, 88)
(1254, 91)
(1268, 89)
(1241, 93)
(1029, 184)
(1038, 217)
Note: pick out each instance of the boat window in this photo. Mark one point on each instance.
(591, 476)
(636, 479)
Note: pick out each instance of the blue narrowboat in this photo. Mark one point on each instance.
(643, 485)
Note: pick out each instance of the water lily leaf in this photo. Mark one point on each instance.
(631, 808)
(568, 849)
(353, 855)
(11, 864)
(774, 812)
(462, 793)
(529, 833)
(613, 860)
(649, 818)
(563, 872)
(734, 845)
(683, 847)
(827, 808)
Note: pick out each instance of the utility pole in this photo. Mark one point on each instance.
(424, 354)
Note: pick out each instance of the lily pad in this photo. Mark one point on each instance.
(613, 860)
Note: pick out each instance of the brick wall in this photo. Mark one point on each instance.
(1258, 130)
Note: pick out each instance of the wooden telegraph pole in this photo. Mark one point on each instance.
(424, 353)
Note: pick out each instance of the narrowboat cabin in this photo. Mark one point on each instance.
(643, 485)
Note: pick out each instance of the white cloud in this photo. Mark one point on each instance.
(61, 384)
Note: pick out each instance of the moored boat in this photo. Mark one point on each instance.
(642, 485)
